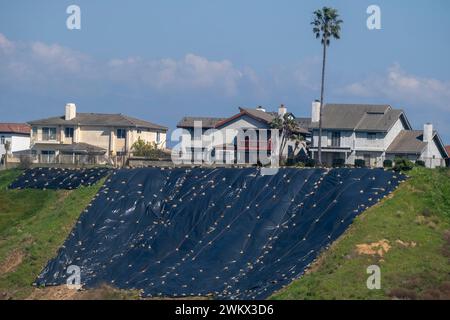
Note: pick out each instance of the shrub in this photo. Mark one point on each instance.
(147, 149)
(420, 163)
(360, 163)
(402, 164)
(300, 164)
(25, 162)
(310, 163)
(338, 162)
(387, 163)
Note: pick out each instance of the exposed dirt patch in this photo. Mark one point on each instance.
(104, 292)
(406, 244)
(375, 248)
(12, 261)
(54, 293)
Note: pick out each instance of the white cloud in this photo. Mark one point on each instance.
(399, 86)
(58, 57)
(6, 45)
(40, 63)
(191, 72)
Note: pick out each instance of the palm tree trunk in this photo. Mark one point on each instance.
(321, 101)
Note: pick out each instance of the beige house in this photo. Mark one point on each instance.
(91, 134)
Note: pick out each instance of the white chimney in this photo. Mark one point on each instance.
(71, 111)
(315, 111)
(260, 109)
(427, 132)
(282, 110)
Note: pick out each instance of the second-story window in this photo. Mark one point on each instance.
(371, 136)
(2, 140)
(68, 132)
(48, 133)
(158, 137)
(121, 133)
(335, 139)
(34, 132)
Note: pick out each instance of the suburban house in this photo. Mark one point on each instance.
(90, 134)
(373, 133)
(230, 149)
(18, 136)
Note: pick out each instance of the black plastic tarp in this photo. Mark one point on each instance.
(229, 233)
(58, 178)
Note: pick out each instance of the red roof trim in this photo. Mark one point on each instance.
(21, 128)
(243, 112)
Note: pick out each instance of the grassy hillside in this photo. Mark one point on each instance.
(33, 225)
(407, 236)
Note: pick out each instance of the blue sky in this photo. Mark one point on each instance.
(161, 60)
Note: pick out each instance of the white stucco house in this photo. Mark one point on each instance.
(224, 134)
(373, 133)
(17, 134)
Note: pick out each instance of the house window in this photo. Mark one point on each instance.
(47, 156)
(2, 140)
(34, 132)
(139, 131)
(68, 132)
(48, 133)
(371, 136)
(121, 133)
(158, 137)
(335, 139)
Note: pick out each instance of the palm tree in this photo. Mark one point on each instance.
(326, 25)
(288, 127)
(7, 149)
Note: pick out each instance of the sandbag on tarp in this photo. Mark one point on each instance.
(58, 178)
(229, 233)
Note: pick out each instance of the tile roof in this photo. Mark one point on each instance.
(21, 128)
(101, 119)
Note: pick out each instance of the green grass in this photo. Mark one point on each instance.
(419, 212)
(33, 225)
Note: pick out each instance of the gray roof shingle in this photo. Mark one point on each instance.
(100, 119)
(207, 122)
(265, 116)
(359, 117)
(79, 147)
(407, 141)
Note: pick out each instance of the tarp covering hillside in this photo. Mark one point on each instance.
(226, 233)
(58, 178)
